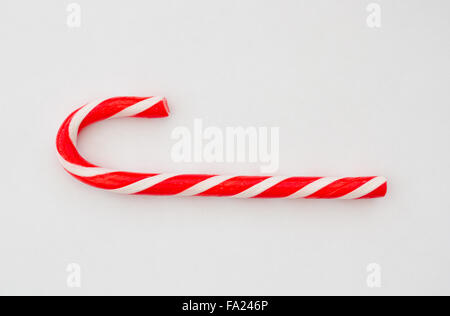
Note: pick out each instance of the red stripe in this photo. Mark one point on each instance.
(233, 186)
(176, 184)
(114, 180)
(339, 188)
(65, 146)
(287, 187)
(108, 108)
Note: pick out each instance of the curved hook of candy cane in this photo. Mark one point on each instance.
(191, 184)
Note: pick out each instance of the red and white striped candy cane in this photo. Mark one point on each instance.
(191, 184)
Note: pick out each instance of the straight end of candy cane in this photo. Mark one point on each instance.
(377, 188)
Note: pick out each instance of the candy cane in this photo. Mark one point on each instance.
(191, 184)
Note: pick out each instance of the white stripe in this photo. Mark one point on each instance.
(82, 171)
(137, 108)
(78, 118)
(205, 185)
(366, 188)
(144, 184)
(313, 187)
(260, 187)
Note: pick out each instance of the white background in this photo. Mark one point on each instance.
(349, 100)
